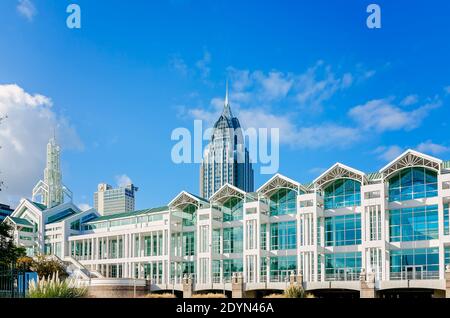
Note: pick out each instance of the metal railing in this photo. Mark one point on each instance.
(13, 283)
(346, 276)
(417, 275)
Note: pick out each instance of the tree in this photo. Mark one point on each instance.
(46, 266)
(9, 252)
(25, 263)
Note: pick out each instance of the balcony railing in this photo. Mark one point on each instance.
(349, 276)
(417, 275)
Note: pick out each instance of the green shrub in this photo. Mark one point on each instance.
(55, 288)
(209, 295)
(294, 291)
(165, 295)
(275, 296)
(46, 266)
(25, 263)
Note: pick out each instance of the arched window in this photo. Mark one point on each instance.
(342, 193)
(232, 209)
(283, 202)
(413, 183)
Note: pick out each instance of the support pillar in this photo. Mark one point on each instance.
(447, 281)
(237, 286)
(367, 285)
(187, 286)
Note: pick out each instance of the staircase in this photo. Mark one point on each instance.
(75, 269)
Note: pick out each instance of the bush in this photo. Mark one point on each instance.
(46, 266)
(55, 288)
(275, 296)
(209, 295)
(165, 295)
(294, 291)
(25, 263)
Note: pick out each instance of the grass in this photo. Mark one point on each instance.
(275, 296)
(54, 287)
(293, 291)
(165, 295)
(209, 295)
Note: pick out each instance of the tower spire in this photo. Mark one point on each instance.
(226, 94)
(226, 107)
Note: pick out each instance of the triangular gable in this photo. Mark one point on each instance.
(25, 205)
(184, 198)
(411, 158)
(227, 190)
(279, 181)
(338, 171)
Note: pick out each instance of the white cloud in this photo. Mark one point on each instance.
(308, 90)
(274, 85)
(409, 100)
(382, 115)
(200, 68)
(447, 89)
(179, 65)
(203, 65)
(84, 207)
(318, 84)
(388, 153)
(431, 148)
(123, 180)
(27, 9)
(312, 137)
(24, 135)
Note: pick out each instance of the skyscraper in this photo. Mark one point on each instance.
(226, 159)
(108, 200)
(51, 190)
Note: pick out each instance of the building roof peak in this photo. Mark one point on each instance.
(226, 108)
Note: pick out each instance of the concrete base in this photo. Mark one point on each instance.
(116, 291)
(187, 287)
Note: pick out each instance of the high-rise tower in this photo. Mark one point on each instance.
(51, 190)
(225, 159)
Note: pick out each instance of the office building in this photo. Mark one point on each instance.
(226, 159)
(109, 200)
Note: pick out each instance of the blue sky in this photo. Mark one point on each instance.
(118, 86)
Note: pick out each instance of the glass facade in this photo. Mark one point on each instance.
(192, 210)
(281, 267)
(414, 224)
(233, 209)
(233, 240)
(216, 241)
(231, 266)
(342, 193)
(343, 230)
(283, 235)
(446, 219)
(284, 201)
(447, 255)
(263, 236)
(413, 183)
(188, 243)
(343, 266)
(420, 263)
